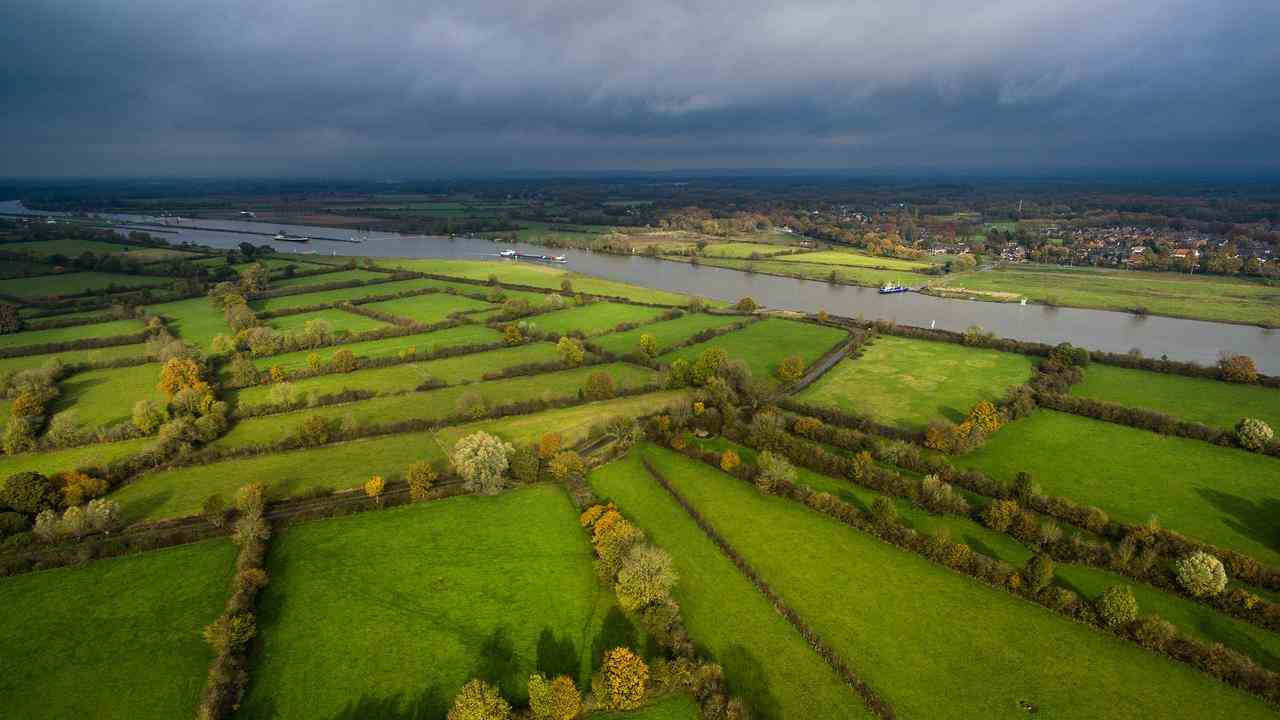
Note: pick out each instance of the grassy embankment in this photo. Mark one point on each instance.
(117, 638)
(909, 383)
(543, 276)
(415, 601)
(1217, 494)
(1203, 297)
(931, 640)
(75, 283)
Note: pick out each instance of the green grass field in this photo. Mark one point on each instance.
(435, 403)
(744, 250)
(1205, 297)
(195, 320)
(74, 283)
(68, 247)
(71, 458)
(764, 345)
(1191, 617)
(1200, 400)
(341, 294)
(932, 641)
(428, 309)
(154, 255)
(1217, 494)
(672, 707)
(69, 334)
(909, 383)
(844, 274)
(398, 378)
(422, 343)
(855, 259)
(338, 320)
(106, 397)
(117, 638)
(771, 667)
(665, 333)
(543, 276)
(19, 268)
(416, 601)
(594, 319)
(179, 492)
(327, 278)
(572, 423)
(72, 357)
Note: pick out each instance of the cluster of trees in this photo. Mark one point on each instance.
(66, 504)
(32, 392)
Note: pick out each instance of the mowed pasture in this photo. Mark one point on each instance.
(594, 318)
(1216, 494)
(744, 250)
(665, 333)
(101, 398)
(114, 328)
(195, 320)
(844, 274)
(1205, 297)
(407, 376)
(337, 319)
(73, 357)
(435, 404)
(908, 383)
(855, 259)
(421, 343)
(1202, 400)
(491, 587)
(179, 492)
(893, 604)
(772, 667)
(574, 423)
(117, 638)
(84, 456)
(75, 283)
(765, 344)
(427, 309)
(66, 247)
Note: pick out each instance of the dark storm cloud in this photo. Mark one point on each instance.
(422, 88)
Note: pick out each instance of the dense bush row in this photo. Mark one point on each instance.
(81, 344)
(1115, 611)
(874, 702)
(229, 636)
(246, 374)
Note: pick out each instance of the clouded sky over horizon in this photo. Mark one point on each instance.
(422, 89)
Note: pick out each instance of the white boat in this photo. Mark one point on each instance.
(507, 253)
(280, 237)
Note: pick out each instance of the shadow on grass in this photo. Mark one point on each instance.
(615, 631)
(499, 664)
(429, 704)
(557, 657)
(1254, 520)
(746, 676)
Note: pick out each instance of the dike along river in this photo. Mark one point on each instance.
(1098, 329)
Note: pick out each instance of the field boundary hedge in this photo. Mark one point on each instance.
(877, 705)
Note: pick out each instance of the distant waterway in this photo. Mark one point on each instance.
(1179, 339)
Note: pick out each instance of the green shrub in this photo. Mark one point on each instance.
(1253, 434)
(1201, 574)
(30, 493)
(1117, 606)
(421, 476)
(478, 700)
(12, 523)
(1039, 573)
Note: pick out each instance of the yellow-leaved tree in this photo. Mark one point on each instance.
(627, 678)
(180, 374)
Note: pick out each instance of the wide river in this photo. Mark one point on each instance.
(1116, 332)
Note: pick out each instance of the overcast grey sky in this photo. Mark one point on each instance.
(417, 88)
